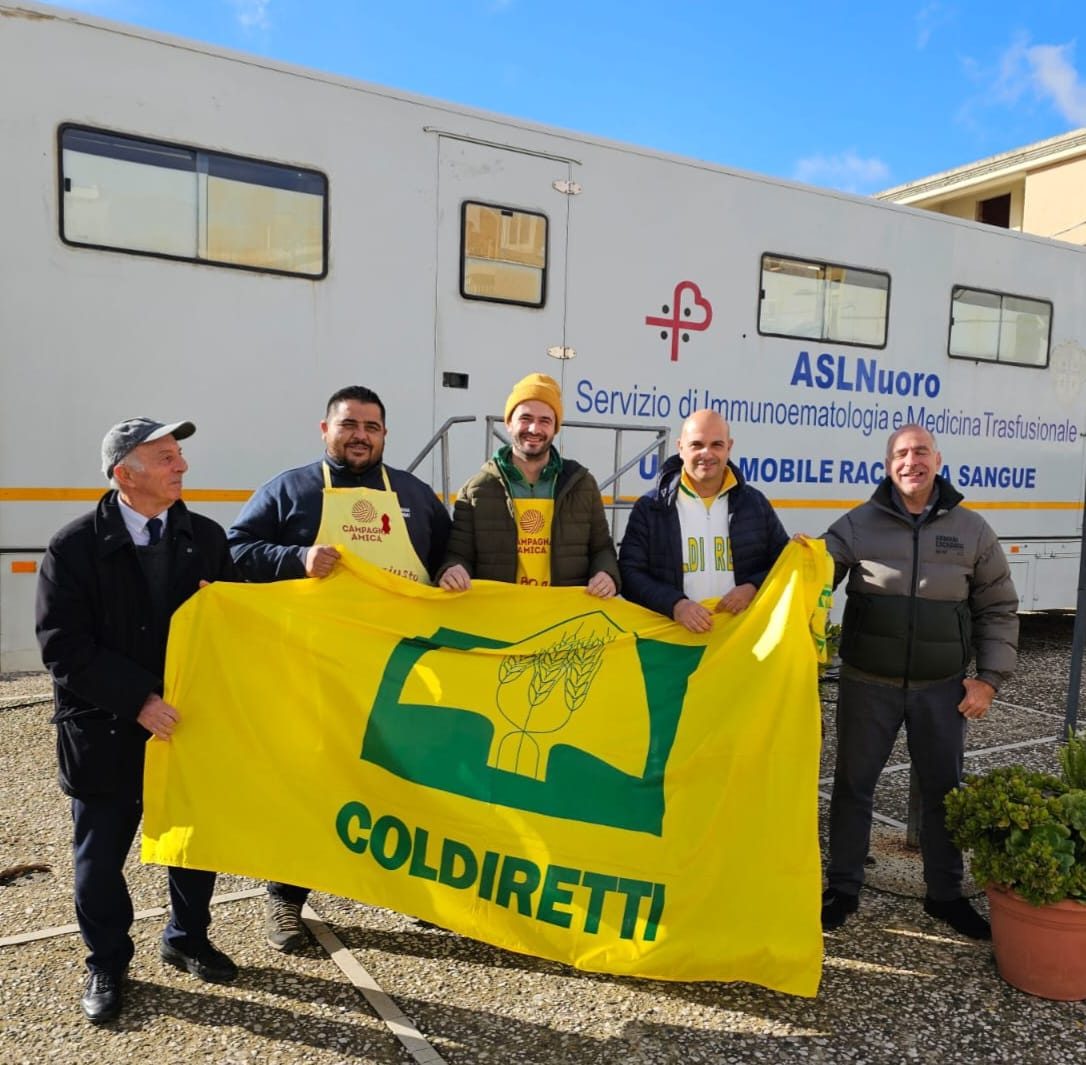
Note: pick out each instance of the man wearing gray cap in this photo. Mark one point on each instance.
(109, 583)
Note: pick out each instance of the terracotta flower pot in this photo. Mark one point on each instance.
(1039, 949)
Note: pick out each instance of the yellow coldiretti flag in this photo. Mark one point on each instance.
(578, 779)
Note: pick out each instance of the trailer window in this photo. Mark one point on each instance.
(823, 301)
(149, 198)
(503, 255)
(997, 327)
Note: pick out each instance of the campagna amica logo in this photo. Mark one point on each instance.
(363, 511)
(531, 521)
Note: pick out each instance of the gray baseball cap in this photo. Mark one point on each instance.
(132, 432)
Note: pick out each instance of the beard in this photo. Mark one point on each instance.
(361, 461)
(530, 449)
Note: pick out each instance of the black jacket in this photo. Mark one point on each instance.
(924, 596)
(98, 640)
(650, 557)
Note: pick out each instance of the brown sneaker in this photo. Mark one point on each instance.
(283, 924)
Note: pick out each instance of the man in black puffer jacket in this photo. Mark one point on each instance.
(702, 533)
(929, 589)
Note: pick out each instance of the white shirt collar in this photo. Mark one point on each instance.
(136, 523)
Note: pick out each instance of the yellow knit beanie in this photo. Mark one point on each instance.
(536, 386)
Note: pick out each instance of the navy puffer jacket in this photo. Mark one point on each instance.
(650, 558)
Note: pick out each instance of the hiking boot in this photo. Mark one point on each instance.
(283, 924)
(960, 915)
(837, 906)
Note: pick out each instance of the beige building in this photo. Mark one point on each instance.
(1040, 189)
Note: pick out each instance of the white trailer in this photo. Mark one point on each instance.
(192, 233)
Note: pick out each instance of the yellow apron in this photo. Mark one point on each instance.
(534, 518)
(369, 523)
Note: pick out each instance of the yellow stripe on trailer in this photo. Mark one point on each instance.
(67, 495)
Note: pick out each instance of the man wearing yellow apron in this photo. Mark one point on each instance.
(290, 526)
(530, 516)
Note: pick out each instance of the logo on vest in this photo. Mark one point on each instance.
(534, 540)
(370, 526)
(532, 521)
(530, 726)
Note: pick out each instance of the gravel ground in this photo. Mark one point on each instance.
(897, 987)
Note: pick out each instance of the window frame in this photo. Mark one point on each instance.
(954, 289)
(823, 265)
(209, 162)
(544, 272)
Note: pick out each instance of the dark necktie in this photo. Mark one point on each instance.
(154, 531)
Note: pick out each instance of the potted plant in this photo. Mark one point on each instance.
(829, 663)
(1027, 834)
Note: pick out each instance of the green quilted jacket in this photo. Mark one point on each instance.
(484, 533)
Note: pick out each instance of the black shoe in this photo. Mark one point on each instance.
(837, 906)
(960, 916)
(101, 999)
(205, 962)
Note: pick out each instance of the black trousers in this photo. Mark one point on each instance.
(105, 827)
(869, 717)
(289, 892)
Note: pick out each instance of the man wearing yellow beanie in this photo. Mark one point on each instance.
(536, 386)
(529, 516)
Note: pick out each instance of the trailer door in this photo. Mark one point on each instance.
(501, 283)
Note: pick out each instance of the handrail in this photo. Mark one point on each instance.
(659, 444)
(495, 430)
(441, 437)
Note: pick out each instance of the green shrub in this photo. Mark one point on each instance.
(1073, 761)
(1026, 830)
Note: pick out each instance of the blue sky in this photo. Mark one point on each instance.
(854, 96)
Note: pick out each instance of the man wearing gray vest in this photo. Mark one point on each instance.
(109, 583)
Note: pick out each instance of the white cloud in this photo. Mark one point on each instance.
(928, 19)
(252, 14)
(1045, 72)
(846, 171)
(1012, 78)
(1055, 77)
